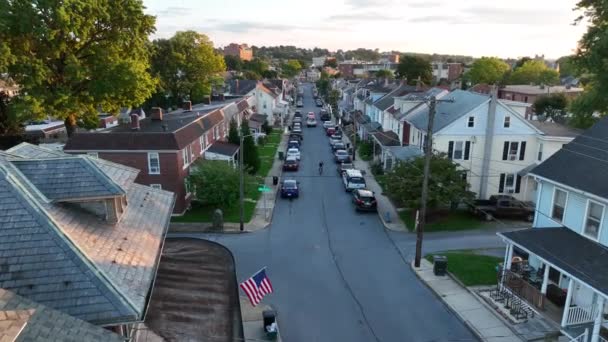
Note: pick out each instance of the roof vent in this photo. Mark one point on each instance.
(187, 105)
(165, 128)
(134, 122)
(157, 113)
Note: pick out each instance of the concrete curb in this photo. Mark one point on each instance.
(454, 312)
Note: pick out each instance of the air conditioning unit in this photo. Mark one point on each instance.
(510, 190)
(512, 157)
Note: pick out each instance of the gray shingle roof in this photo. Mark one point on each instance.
(387, 100)
(404, 153)
(26, 150)
(68, 178)
(586, 155)
(26, 320)
(448, 112)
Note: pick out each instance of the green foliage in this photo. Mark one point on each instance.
(251, 158)
(323, 86)
(218, 182)
(520, 62)
(233, 132)
(291, 68)
(413, 68)
(446, 186)
(256, 65)
(266, 128)
(384, 74)
(251, 75)
(187, 65)
(584, 106)
(233, 62)
(289, 52)
(10, 123)
(567, 66)
(490, 70)
(534, 72)
(331, 62)
(74, 57)
(362, 54)
(270, 74)
(365, 149)
(553, 106)
(332, 99)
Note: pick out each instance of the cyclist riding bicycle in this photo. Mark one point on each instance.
(320, 167)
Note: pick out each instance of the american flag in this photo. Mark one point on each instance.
(257, 287)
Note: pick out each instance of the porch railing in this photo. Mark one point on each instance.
(582, 337)
(580, 315)
(602, 339)
(518, 285)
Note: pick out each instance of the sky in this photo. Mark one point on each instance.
(502, 28)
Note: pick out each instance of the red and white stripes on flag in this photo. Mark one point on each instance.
(257, 287)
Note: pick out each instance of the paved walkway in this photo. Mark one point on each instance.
(253, 321)
(479, 318)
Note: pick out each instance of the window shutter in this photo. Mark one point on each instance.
(450, 149)
(501, 184)
(522, 151)
(518, 184)
(467, 148)
(505, 151)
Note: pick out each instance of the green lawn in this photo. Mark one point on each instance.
(450, 221)
(268, 152)
(471, 269)
(365, 150)
(205, 214)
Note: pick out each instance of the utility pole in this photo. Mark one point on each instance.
(241, 185)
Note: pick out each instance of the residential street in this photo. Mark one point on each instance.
(337, 274)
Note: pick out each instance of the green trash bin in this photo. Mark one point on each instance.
(440, 265)
(281, 155)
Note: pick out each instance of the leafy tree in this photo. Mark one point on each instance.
(251, 75)
(362, 54)
(331, 62)
(233, 62)
(256, 65)
(233, 132)
(332, 99)
(490, 70)
(187, 65)
(567, 66)
(384, 74)
(535, 72)
(269, 74)
(219, 180)
(404, 182)
(291, 68)
(414, 67)
(10, 123)
(520, 62)
(251, 158)
(266, 128)
(75, 57)
(552, 106)
(323, 86)
(584, 107)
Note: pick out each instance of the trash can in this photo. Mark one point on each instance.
(281, 155)
(270, 324)
(440, 265)
(275, 180)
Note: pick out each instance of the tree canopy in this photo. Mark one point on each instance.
(567, 66)
(552, 106)
(446, 184)
(219, 180)
(331, 62)
(385, 74)
(187, 65)
(490, 70)
(75, 57)
(251, 158)
(233, 62)
(291, 68)
(257, 65)
(535, 72)
(414, 67)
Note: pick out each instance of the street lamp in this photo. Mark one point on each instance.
(241, 182)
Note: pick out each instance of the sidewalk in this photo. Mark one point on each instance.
(386, 210)
(479, 318)
(253, 321)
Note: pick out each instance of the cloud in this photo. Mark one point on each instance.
(497, 16)
(423, 4)
(247, 26)
(174, 11)
(366, 16)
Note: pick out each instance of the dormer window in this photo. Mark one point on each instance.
(471, 122)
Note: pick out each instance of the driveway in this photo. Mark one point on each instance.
(337, 274)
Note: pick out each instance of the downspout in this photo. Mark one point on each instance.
(487, 150)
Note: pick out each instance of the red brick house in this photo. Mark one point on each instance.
(164, 146)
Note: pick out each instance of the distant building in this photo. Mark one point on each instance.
(389, 58)
(447, 71)
(362, 69)
(47, 131)
(319, 61)
(529, 93)
(243, 51)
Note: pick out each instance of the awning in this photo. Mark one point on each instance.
(404, 153)
(387, 138)
(526, 170)
(223, 148)
(568, 252)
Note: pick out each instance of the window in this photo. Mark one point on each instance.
(512, 149)
(458, 149)
(216, 131)
(510, 180)
(187, 155)
(156, 186)
(559, 204)
(509, 183)
(153, 164)
(540, 152)
(471, 122)
(225, 129)
(206, 140)
(593, 220)
(187, 187)
(203, 143)
(93, 154)
(507, 122)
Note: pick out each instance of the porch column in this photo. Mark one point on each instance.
(506, 263)
(599, 304)
(509, 257)
(568, 301)
(543, 288)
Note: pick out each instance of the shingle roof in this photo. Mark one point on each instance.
(387, 138)
(387, 100)
(26, 150)
(241, 87)
(258, 117)
(25, 320)
(68, 178)
(586, 155)
(554, 129)
(448, 112)
(223, 148)
(404, 153)
(538, 90)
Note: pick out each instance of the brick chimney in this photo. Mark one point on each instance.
(134, 122)
(187, 105)
(157, 113)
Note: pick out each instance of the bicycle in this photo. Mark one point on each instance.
(320, 168)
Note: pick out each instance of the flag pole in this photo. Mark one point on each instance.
(261, 269)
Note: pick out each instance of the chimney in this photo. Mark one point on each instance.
(206, 100)
(134, 122)
(187, 105)
(157, 113)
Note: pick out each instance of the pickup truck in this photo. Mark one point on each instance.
(503, 206)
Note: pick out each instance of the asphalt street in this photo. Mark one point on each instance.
(337, 274)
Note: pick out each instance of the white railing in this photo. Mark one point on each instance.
(580, 315)
(582, 337)
(601, 339)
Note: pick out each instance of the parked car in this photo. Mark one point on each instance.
(342, 167)
(311, 122)
(293, 152)
(364, 200)
(338, 146)
(337, 134)
(503, 206)
(330, 131)
(293, 144)
(299, 104)
(297, 119)
(341, 156)
(290, 189)
(353, 179)
(327, 124)
(296, 136)
(324, 115)
(311, 115)
(333, 140)
(297, 130)
(319, 103)
(297, 113)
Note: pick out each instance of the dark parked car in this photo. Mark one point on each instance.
(341, 156)
(319, 103)
(337, 134)
(293, 143)
(330, 131)
(291, 164)
(297, 129)
(503, 206)
(364, 200)
(290, 189)
(296, 136)
(338, 146)
(325, 115)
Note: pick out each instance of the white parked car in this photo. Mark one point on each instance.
(293, 152)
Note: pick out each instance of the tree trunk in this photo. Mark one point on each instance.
(70, 124)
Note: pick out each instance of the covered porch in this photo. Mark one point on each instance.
(221, 150)
(559, 274)
(382, 141)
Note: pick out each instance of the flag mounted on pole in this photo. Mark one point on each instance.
(257, 287)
